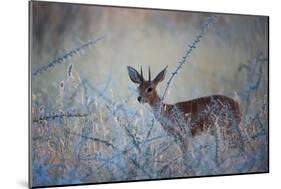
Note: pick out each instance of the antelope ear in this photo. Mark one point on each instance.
(134, 75)
(160, 77)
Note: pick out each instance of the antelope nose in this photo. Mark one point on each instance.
(139, 98)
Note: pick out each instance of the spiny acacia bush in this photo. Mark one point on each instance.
(88, 135)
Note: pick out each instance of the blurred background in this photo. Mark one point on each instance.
(141, 37)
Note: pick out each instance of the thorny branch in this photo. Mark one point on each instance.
(59, 115)
(254, 71)
(95, 139)
(194, 44)
(65, 56)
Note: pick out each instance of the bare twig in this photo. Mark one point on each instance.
(254, 71)
(65, 56)
(59, 115)
(95, 139)
(194, 44)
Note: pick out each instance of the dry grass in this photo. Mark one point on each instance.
(111, 141)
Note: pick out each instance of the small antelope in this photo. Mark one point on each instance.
(197, 116)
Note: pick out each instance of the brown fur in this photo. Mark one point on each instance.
(200, 114)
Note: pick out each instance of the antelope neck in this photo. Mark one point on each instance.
(156, 104)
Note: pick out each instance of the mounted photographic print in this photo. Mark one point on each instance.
(120, 94)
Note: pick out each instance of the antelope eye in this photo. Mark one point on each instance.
(149, 89)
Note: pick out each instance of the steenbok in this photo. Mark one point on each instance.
(187, 119)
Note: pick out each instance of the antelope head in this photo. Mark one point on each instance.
(147, 88)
